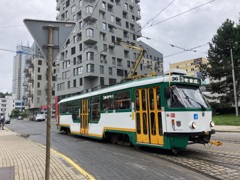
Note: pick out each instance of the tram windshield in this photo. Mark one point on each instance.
(188, 97)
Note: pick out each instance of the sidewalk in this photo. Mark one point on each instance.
(23, 159)
(225, 128)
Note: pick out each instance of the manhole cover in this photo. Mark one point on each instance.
(7, 173)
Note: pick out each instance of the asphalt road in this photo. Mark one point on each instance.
(107, 161)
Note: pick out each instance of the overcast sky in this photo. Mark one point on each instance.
(195, 28)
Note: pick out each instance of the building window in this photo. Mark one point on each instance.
(73, 51)
(104, 26)
(102, 36)
(66, 14)
(104, 5)
(101, 69)
(39, 92)
(126, 6)
(39, 77)
(38, 85)
(125, 15)
(79, 70)
(90, 55)
(89, 9)
(103, 58)
(105, 47)
(68, 84)
(39, 62)
(74, 61)
(75, 18)
(101, 80)
(110, 8)
(110, 70)
(119, 72)
(80, 82)
(114, 61)
(90, 67)
(89, 32)
(39, 70)
(102, 15)
(112, 18)
(74, 83)
(128, 64)
(74, 39)
(119, 62)
(80, 3)
(73, 8)
(68, 63)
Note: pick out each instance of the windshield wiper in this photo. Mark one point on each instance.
(188, 98)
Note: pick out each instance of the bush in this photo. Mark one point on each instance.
(218, 108)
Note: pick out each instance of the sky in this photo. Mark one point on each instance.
(170, 26)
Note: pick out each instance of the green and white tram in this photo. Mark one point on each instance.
(162, 111)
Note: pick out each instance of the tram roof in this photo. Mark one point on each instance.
(121, 86)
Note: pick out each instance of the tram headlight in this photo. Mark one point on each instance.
(212, 124)
(193, 125)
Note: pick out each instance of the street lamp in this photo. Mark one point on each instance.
(234, 84)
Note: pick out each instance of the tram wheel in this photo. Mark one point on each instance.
(175, 151)
(113, 138)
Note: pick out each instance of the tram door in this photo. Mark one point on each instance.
(148, 115)
(84, 117)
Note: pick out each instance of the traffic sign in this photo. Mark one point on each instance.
(39, 31)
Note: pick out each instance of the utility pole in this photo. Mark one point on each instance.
(49, 99)
(234, 84)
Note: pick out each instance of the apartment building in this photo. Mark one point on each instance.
(19, 64)
(7, 104)
(90, 58)
(191, 66)
(35, 96)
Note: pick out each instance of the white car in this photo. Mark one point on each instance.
(40, 117)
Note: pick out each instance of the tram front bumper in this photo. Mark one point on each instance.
(196, 137)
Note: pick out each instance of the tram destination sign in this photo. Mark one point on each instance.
(185, 79)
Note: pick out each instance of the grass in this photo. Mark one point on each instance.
(227, 119)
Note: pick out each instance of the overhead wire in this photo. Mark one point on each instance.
(181, 13)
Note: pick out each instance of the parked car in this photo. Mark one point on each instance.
(20, 117)
(7, 120)
(40, 117)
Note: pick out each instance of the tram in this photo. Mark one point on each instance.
(167, 112)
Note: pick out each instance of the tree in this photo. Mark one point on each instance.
(219, 68)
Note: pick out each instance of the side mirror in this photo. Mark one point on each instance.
(166, 92)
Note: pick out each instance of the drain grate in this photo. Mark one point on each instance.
(7, 173)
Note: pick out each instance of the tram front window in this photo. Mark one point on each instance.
(187, 96)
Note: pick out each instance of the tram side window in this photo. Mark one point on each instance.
(65, 108)
(94, 108)
(75, 110)
(122, 100)
(107, 102)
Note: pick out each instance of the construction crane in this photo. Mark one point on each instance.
(132, 71)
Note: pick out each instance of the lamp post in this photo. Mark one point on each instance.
(234, 84)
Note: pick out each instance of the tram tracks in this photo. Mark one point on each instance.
(210, 164)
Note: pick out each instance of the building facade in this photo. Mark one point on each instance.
(7, 104)
(91, 58)
(190, 66)
(36, 83)
(19, 64)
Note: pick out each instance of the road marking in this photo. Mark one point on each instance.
(86, 174)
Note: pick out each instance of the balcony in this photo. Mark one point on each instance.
(26, 70)
(30, 95)
(90, 40)
(30, 80)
